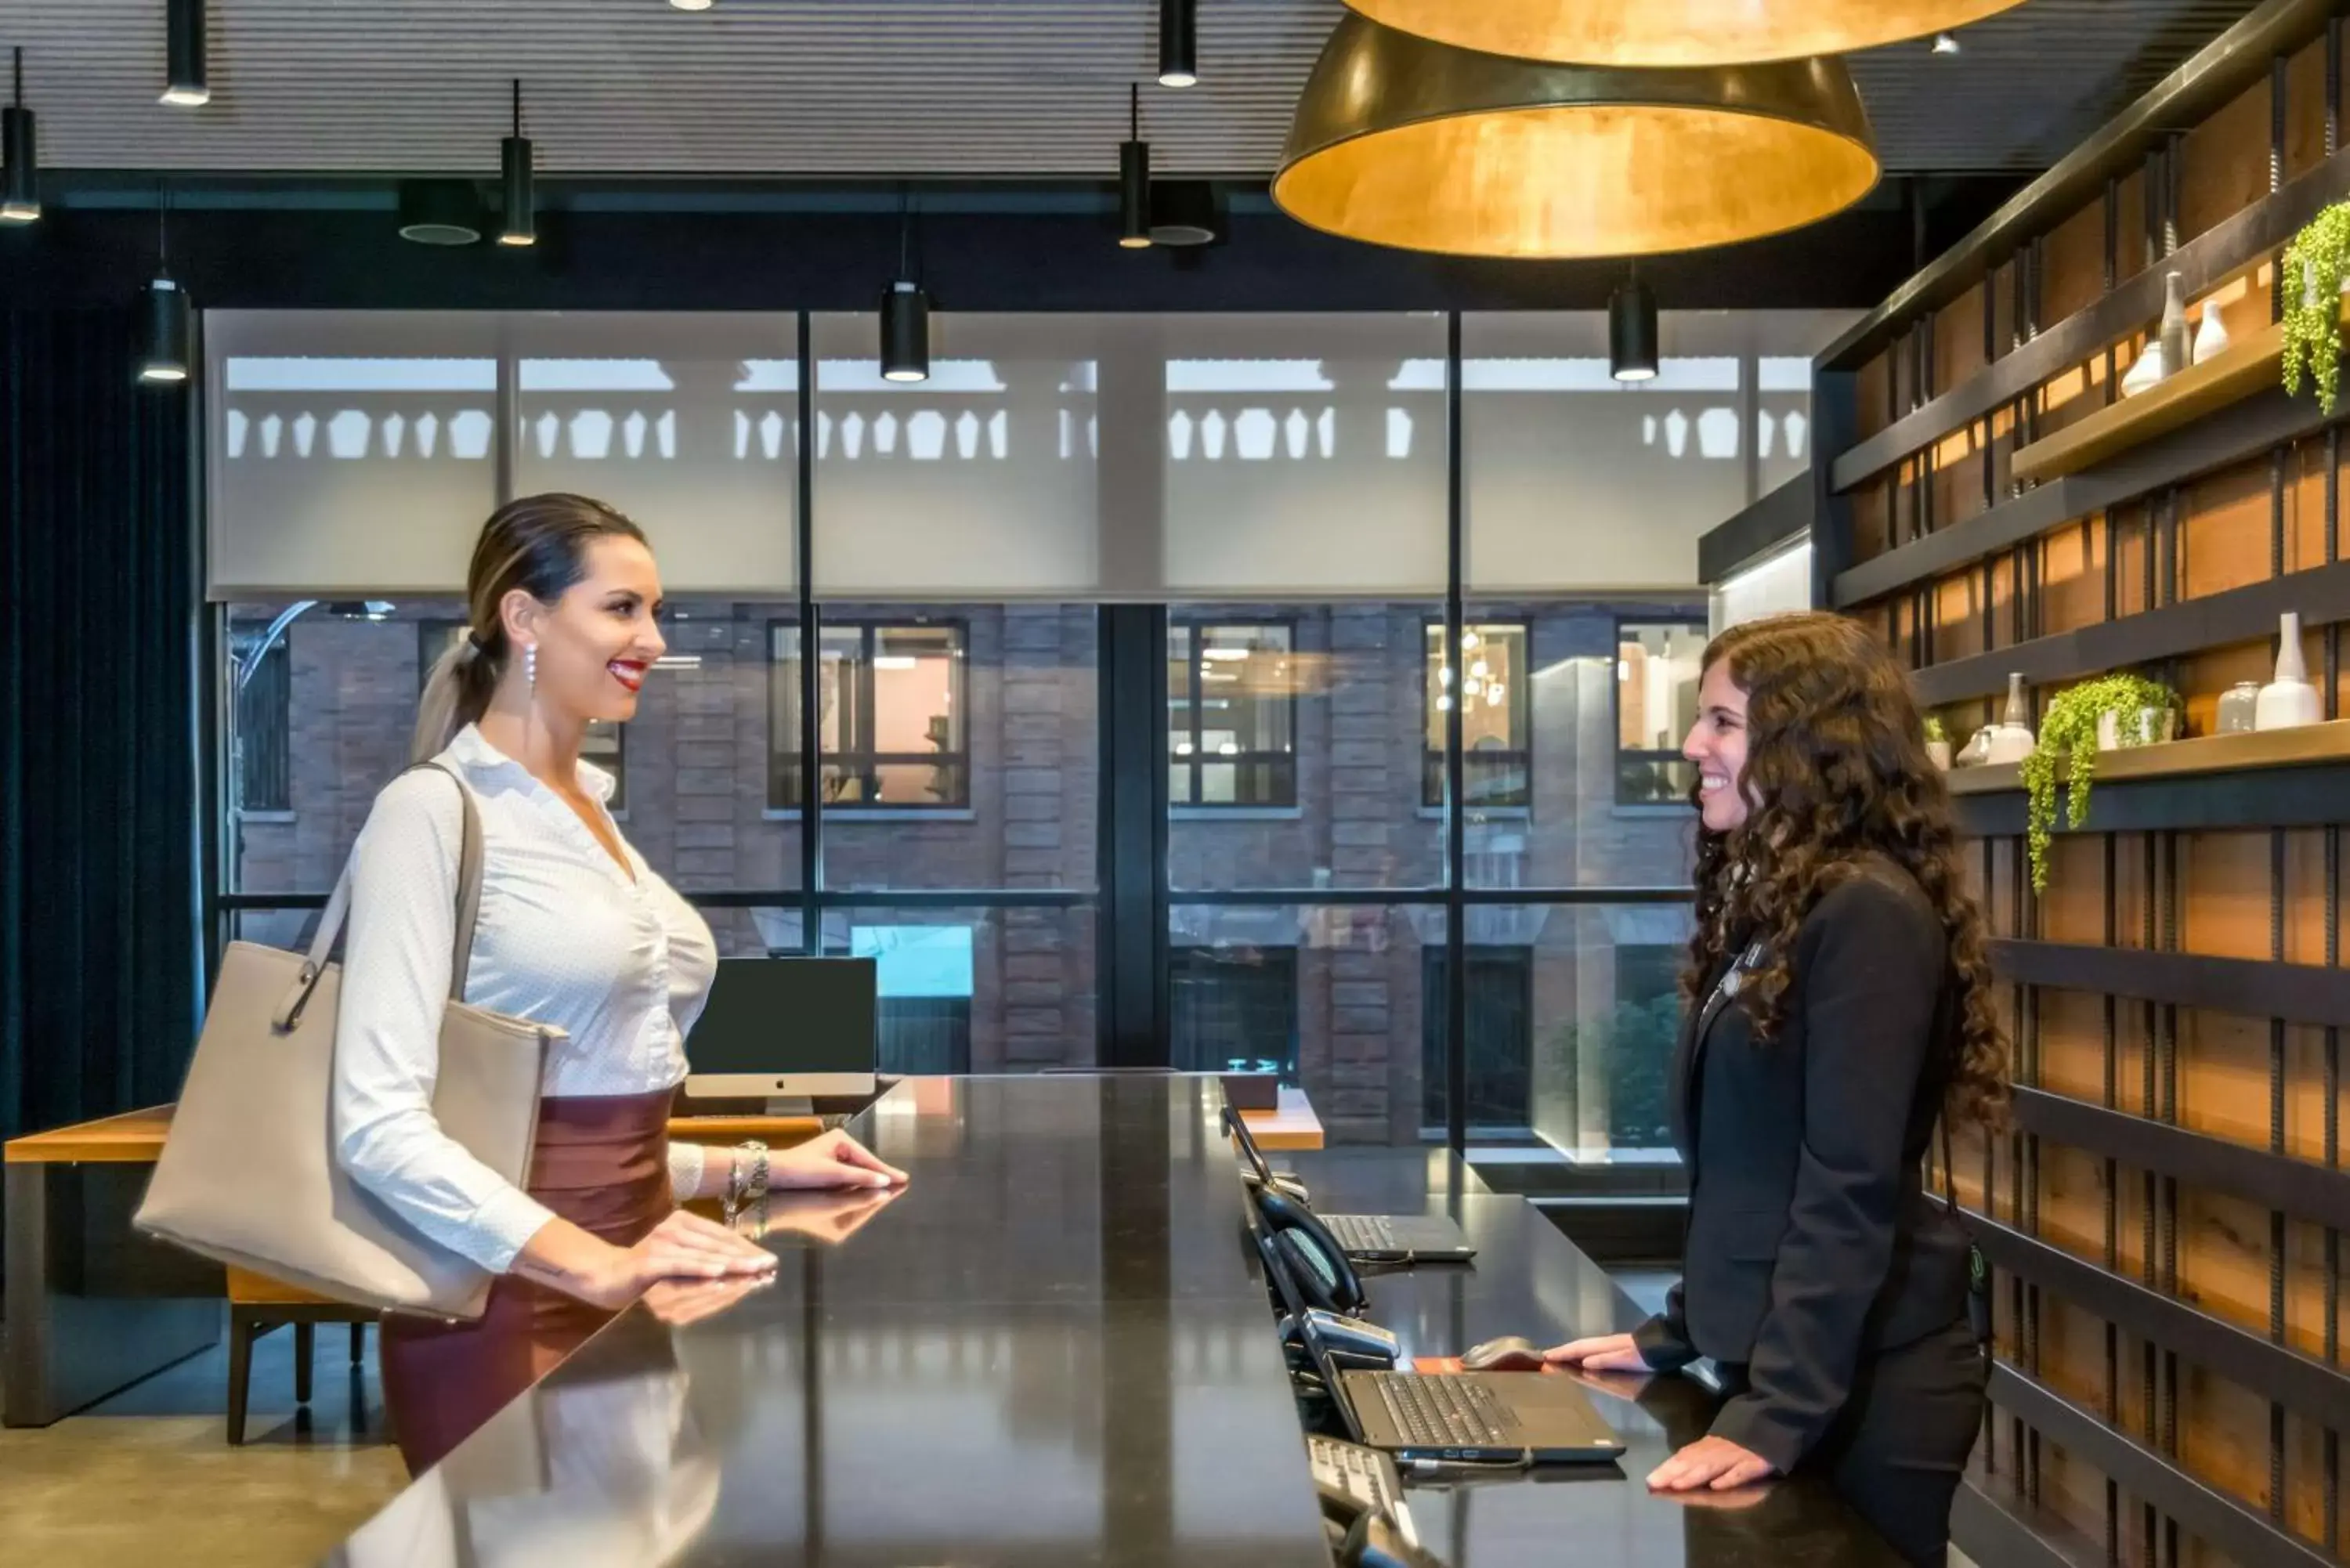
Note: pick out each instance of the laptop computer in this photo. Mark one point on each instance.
(1473, 1418)
(1367, 1238)
(785, 1028)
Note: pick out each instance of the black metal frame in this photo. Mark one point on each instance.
(2256, 988)
(861, 759)
(1133, 897)
(1192, 622)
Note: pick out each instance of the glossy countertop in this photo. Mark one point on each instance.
(1054, 1347)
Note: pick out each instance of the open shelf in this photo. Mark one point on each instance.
(2175, 759)
(2237, 371)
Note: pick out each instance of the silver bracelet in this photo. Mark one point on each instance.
(756, 1187)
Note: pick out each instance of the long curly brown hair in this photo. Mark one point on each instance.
(1835, 769)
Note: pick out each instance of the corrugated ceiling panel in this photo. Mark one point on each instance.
(896, 86)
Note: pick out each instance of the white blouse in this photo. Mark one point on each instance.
(564, 938)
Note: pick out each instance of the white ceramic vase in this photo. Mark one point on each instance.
(2147, 373)
(2212, 337)
(2288, 701)
(1939, 750)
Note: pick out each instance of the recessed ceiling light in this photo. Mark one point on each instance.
(689, 4)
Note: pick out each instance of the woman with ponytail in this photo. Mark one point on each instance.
(1840, 1003)
(574, 932)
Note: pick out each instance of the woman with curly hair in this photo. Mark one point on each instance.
(1839, 1002)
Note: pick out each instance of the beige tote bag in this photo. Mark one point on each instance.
(248, 1174)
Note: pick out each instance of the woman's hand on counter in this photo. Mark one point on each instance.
(1605, 1352)
(1716, 1464)
(834, 1160)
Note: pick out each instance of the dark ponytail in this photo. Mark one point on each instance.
(537, 544)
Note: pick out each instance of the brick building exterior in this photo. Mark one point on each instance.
(1351, 986)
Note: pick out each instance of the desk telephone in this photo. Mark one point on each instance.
(1311, 1255)
(1363, 1507)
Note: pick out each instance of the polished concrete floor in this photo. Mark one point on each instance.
(148, 1478)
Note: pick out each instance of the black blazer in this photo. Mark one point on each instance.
(1811, 1239)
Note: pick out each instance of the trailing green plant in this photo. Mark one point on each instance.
(2311, 281)
(2068, 738)
(1934, 730)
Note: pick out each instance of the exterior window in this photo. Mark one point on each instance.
(1500, 1035)
(606, 743)
(890, 720)
(1233, 1009)
(1656, 671)
(1498, 759)
(264, 772)
(1232, 727)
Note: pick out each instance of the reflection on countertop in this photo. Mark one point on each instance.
(1054, 1347)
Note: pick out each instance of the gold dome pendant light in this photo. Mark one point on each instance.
(1401, 141)
(1674, 31)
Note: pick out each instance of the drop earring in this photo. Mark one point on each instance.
(530, 668)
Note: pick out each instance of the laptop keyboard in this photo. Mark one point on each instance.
(1443, 1412)
(1363, 1232)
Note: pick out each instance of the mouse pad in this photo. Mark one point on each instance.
(1452, 1364)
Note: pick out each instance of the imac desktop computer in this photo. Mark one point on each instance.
(785, 1030)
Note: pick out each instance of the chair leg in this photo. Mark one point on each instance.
(241, 1333)
(306, 1341)
(358, 1345)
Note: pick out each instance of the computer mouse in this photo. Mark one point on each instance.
(1511, 1353)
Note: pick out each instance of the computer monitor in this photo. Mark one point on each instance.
(785, 1028)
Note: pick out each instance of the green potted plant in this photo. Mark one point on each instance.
(2317, 261)
(1938, 741)
(2131, 710)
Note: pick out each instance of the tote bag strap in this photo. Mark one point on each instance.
(338, 907)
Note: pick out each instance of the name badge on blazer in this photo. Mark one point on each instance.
(1726, 989)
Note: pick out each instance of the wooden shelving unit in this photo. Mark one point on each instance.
(2311, 743)
(2243, 368)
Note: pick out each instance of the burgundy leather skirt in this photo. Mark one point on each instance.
(602, 1163)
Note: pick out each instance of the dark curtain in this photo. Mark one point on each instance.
(98, 797)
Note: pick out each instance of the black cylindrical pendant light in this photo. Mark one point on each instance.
(164, 362)
(186, 82)
(20, 195)
(905, 311)
(905, 332)
(1632, 331)
(1134, 178)
(1178, 43)
(515, 160)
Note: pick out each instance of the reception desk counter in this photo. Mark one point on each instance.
(1054, 1347)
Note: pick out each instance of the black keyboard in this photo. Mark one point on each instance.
(1444, 1412)
(1363, 1232)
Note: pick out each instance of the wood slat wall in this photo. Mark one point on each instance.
(2261, 894)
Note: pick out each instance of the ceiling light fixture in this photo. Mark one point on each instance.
(20, 195)
(165, 361)
(905, 311)
(440, 212)
(1184, 212)
(1178, 43)
(1632, 330)
(1946, 43)
(689, 4)
(186, 81)
(1675, 32)
(514, 163)
(1134, 178)
(1422, 146)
